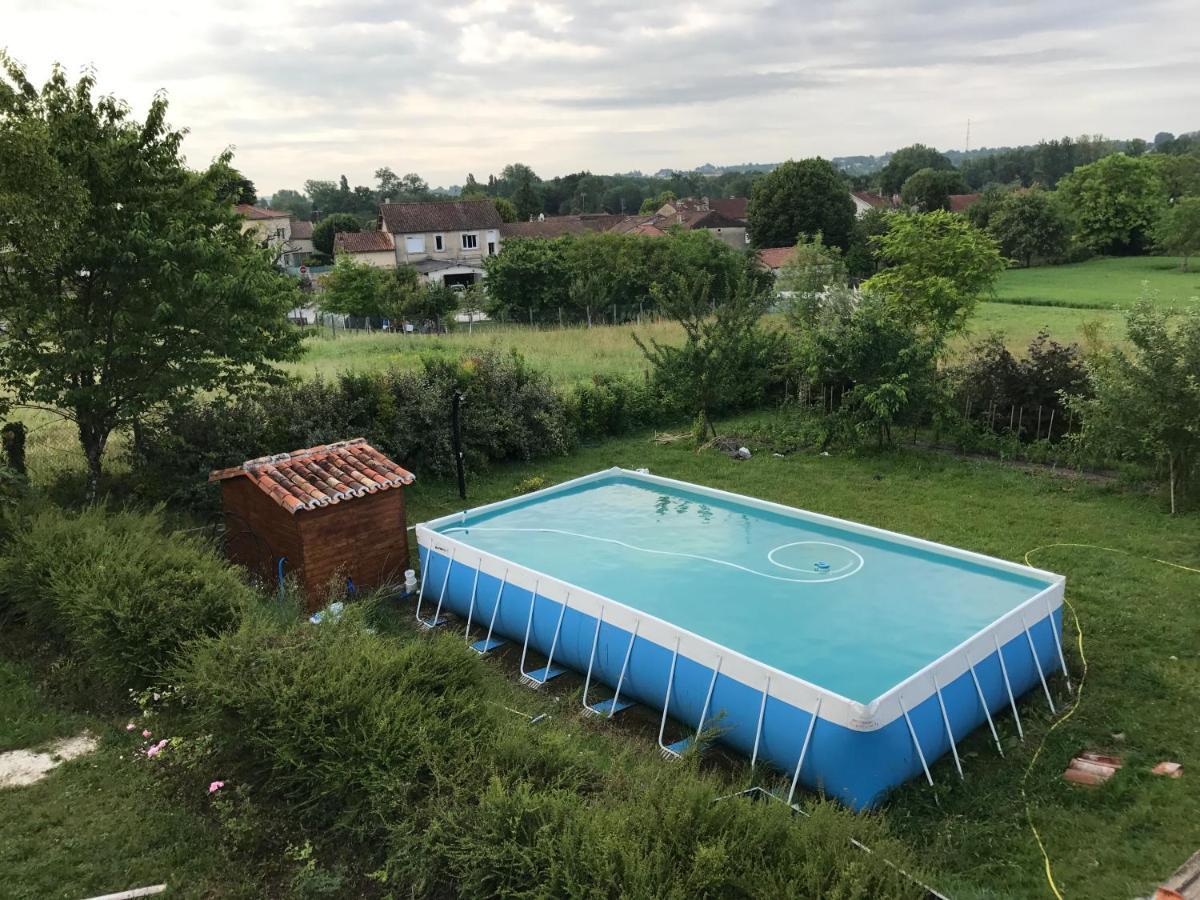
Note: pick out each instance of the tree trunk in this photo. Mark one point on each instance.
(94, 438)
(1171, 479)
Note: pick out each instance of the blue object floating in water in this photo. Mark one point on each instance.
(821, 566)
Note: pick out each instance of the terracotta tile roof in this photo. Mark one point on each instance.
(555, 226)
(960, 202)
(247, 211)
(320, 476)
(775, 257)
(734, 207)
(301, 230)
(439, 215)
(686, 218)
(363, 242)
(870, 198)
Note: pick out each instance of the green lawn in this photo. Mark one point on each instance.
(1112, 282)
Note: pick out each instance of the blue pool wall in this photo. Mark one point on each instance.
(858, 767)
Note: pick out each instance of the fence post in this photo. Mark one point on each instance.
(1020, 418)
(1038, 436)
(1050, 429)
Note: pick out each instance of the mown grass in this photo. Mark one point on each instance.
(1105, 282)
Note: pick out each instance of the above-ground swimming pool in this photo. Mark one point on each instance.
(846, 656)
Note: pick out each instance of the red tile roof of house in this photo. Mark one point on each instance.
(775, 257)
(734, 207)
(871, 198)
(301, 230)
(248, 211)
(439, 215)
(961, 202)
(554, 226)
(320, 476)
(363, 242)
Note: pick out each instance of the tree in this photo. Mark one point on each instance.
(906, 162)
(651, 205)
(1146, 403)
(809, 271)
(325, 230)
(726, 359)
(798, 198)
(525, 199)
(930, 189)
(113, 308)
(293, 202)
(235, 186)
(1030, 224)
(353, 288)
(387, 184)
(936, 267)
(1178, 229)
(1114, 202)
(508, 212)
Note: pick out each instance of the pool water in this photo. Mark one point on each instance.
(852, 612)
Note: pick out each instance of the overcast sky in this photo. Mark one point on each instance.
(316, 88)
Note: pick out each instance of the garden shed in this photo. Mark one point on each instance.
(333, 510)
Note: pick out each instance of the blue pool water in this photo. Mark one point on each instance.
(853, 612)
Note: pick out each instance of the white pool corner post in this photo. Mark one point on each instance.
(812, 724)
(1038, 664)
(437, 620)
(912, 733)
(667, 752)
(983, 702)
(1012, 701)
(1062, 660)
(762, 711)
(949, 730)
(486, 645)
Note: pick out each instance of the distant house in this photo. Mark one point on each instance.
(865, 201)
(775, 258)
(302, 245)
(445, 241)
(690, 215)
(557, 226)
(375, 248)
(960, 203)
(733, 207)
(272, 228)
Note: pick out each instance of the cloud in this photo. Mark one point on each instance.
(315, 88)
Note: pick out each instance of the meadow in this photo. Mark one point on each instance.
(1103, 283)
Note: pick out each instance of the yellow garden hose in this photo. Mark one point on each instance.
(1078, 695)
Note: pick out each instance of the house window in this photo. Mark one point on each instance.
(279, 234)
(414, 243)
(491, 248)
(438, 243)
(470, 241)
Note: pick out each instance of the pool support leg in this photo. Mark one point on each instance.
(1062, 660)
(1038, 664)
(667, 752)
(812, 724)
(983, 702)
(762, 710)
(949, 731)
(912, 732)
(487, 644)
(437, 620)
(607, 708)
(538, 677)
(1012, 702)
(471, 608)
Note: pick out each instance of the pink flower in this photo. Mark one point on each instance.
(215, 786)
(146, 732)
(157, 748)
(130, 727)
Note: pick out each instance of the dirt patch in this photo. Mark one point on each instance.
(21, 767)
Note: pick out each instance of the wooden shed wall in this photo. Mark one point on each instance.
(259, 530)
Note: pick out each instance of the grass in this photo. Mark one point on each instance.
(100, 823)
(1106, 283)
(1139, 621)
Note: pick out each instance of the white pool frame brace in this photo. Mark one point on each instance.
(820, 703)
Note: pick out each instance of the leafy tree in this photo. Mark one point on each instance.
(387, 184)
(651, 205)
(235, 186)
(805, 197)
(513, 176)
(328, 228)
(1114, 202)
(726, 359)
(937, 267)
(862, 257)
(472, 189)
(906, 162)
(1180, 174)
(809, 271)
(292, 202)
(353, 288)
(525, 198)
(432, 303)
(508, 212)
(1146, 403)
(930, 189)
(128, 283)
(530, 273)
(1178, 229)
(991, 198)
(1030, 224)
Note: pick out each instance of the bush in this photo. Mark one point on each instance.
(116, 591)
(612, 405)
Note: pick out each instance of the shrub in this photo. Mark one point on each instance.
(612, 404)
(116, 590)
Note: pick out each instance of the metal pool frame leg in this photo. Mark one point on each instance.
(679, 747)
(983, 702)
(607, 708)
(548, 671)
(1038, 665)
(812, 724)
(474, 593)
(949, 731)
(667, 752)
(437, 620)
(1058, 646)
(487, 644)
(1012, 702)
(762, 710)
(912, 732)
